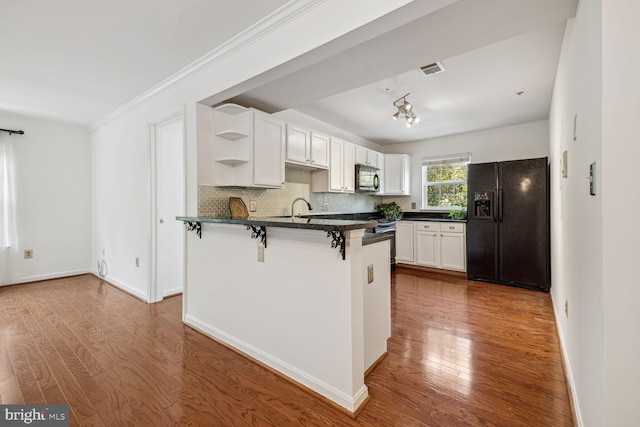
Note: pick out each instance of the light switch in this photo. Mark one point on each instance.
(592, 179)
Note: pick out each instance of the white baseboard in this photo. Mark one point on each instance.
(567, 364)
(171, 292)
(350, 403)
(48, 276)
(121, 285)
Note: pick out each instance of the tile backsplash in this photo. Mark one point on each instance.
(214, 201)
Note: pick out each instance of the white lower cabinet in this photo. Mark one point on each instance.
(433, 244)
(427, 248)
(405, 232)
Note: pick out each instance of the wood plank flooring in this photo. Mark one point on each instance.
(461, 353)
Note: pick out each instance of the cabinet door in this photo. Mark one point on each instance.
(319, 150)
(335, 165)
(427, 245)
(380, 164)
(298, 145)
(268, 151)
(396, 174)
(372, 158)
(452, 251)
(404, 241)
(349, 166)
(361, 155)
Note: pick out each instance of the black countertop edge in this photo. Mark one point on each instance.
(433, 219)
(288, 222)
(370, 238)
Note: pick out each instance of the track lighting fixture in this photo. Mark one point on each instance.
(404, 110)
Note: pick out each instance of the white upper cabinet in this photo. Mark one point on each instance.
(247, 148)
(306, 148)
(380, 165)
(268, 151)
(366, 157)
(340, 178)
(319, 150)
(396, 174)
(349, 167)
(298, 145)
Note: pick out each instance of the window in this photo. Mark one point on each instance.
(444, 182)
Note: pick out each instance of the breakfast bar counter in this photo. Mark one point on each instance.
(277, 290)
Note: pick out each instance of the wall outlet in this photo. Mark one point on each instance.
(566, 308)
(325, 206)
(253, 205)
(137, 261)
(413, 205)
(28, 253)
(370, 273)
(260, 253)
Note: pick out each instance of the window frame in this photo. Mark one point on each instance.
(441, 161)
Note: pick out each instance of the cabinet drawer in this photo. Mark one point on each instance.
(456, 227)
(427, 226)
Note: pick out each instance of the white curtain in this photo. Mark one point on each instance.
(9, 261)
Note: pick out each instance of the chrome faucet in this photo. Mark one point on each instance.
(297, 199)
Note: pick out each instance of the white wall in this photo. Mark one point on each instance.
(576, 216)
(620, 154)
(299, 312)
(121, 146)
(524, 141)
(53, 196)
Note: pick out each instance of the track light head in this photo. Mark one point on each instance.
(405, 111)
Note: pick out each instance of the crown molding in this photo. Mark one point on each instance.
(272, 22)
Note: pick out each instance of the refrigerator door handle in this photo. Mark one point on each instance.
(500, 202)
(493, 207)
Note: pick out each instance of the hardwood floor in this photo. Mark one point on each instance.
(461, 353)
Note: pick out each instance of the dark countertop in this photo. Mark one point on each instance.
(288, 222)
(433, 219)
(370, 238)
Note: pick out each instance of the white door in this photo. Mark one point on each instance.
(298, 145)
(427, 245)
(268, 151)
(404, 241)
(170, 196)
(335, 165)
(349, 167)
(452, 247)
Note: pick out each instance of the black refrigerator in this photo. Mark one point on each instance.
(508, 223)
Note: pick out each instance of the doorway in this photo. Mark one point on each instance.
(168, 201)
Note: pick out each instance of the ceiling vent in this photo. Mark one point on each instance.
(432, 69)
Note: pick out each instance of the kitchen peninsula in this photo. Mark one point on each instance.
(303, 296)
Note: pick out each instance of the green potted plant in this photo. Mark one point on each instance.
(390, 211)
(458, 214)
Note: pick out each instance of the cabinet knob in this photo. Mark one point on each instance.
(312, 161)
(307, 160)
(161, 221)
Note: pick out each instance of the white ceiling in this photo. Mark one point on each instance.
(79, 60)
(490, 49)
(477, 91)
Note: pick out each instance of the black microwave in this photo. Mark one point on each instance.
(367, 179)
